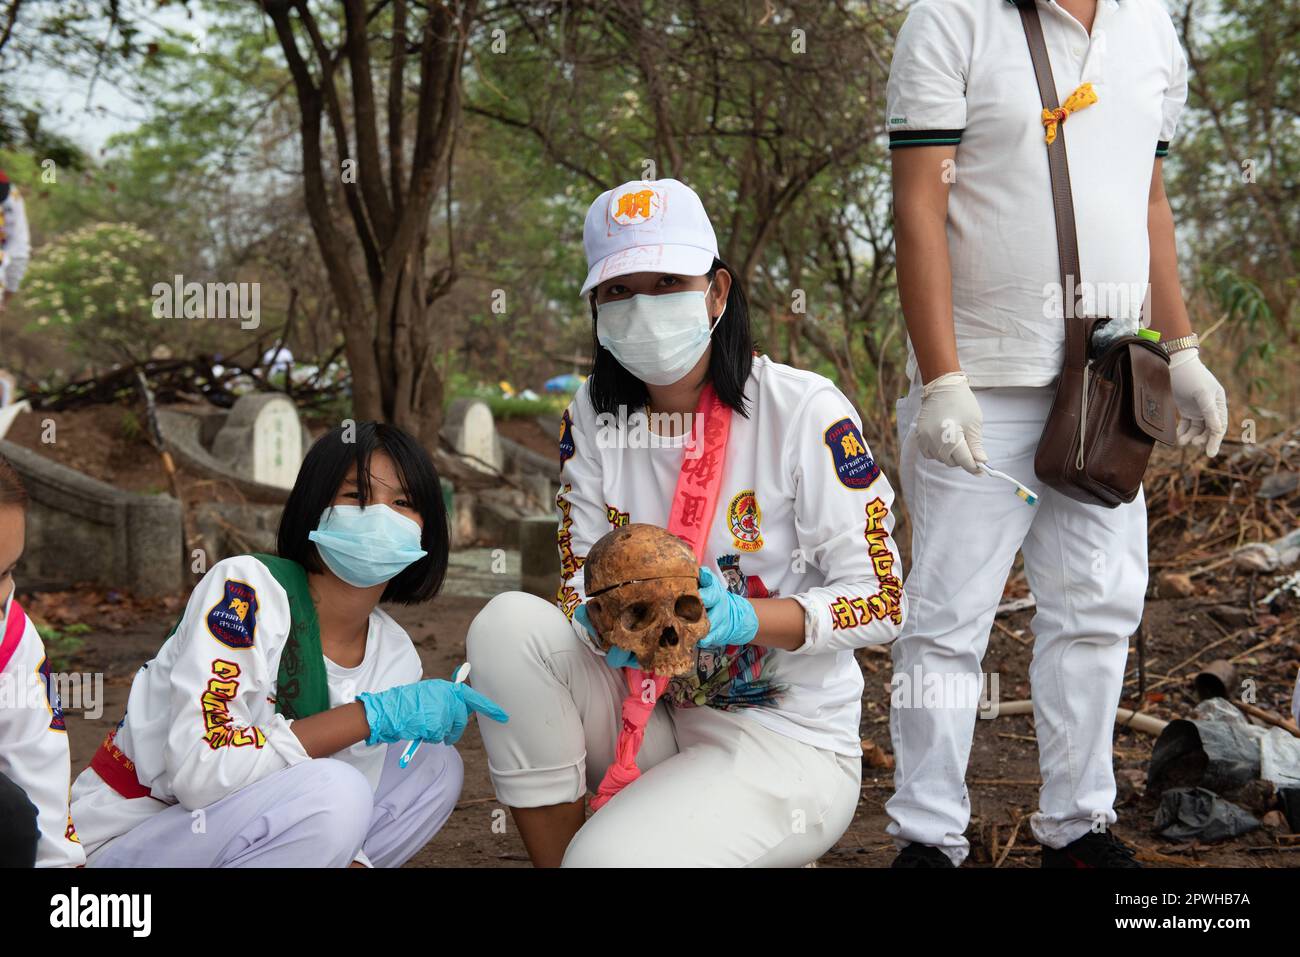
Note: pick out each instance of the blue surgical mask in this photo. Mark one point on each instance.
(366, 546)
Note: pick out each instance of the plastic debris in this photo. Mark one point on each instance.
(1218, 749)
(1278, 484)
(1279, 758)
(1196, 813)
(1258, 557)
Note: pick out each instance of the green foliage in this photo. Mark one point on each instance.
(1240, 298)
(58, 199)
(460, 386)
(89, 284)
(132, 429)
(1233, 178)
(515, 407)
(785, 148)
(62, 644)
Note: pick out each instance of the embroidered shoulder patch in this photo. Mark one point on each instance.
(57, 722)
(854, 466)
(233, 619)
(566, 438)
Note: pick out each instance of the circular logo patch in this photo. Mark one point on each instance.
(743, 518)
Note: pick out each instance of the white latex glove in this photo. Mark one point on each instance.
(950, 425)
(1201, 401)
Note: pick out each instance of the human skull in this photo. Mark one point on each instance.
(643, 595)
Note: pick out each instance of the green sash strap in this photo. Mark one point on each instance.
(301, 686)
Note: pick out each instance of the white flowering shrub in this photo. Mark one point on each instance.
(88, 286)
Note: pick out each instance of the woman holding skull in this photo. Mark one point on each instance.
(751, 756)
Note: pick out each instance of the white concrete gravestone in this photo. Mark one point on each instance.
(472, 431)
(262, 440)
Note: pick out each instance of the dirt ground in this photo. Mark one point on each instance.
(529, 433)
(1003, 774)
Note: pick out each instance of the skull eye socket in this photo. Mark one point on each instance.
(636, 616)
(688, 608)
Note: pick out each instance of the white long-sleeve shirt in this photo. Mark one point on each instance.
(15, 240)
(804, 512)
(34, 746)
(201, 722)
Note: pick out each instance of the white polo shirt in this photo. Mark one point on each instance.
(962, 76)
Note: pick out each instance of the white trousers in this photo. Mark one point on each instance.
(1087, 570)
(718, 790)
(319, 813)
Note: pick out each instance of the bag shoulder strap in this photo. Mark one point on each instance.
(1058, 166)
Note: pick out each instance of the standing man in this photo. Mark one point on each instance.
(15, 241)
(979, 282)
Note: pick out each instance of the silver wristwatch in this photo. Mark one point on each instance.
(1190, 341)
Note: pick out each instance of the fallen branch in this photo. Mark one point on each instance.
(1011, 634)
(1015, 604)
(1268, 717)
(1020, 819)
(1136, 720)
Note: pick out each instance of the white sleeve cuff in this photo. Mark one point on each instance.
(280, 736)
(815, 624)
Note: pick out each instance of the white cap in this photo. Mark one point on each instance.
(647, 225)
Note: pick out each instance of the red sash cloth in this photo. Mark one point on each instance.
(694, 501)
(15, 625)
(117, 770)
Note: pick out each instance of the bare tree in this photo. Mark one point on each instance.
(376, 252)
(7, 20)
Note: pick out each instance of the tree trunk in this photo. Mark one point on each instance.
(377, 269)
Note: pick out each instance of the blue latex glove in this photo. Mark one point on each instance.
(732, 619)
(429, 710)
(615, 656)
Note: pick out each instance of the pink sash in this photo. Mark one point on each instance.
(15, 625)
(691, 513)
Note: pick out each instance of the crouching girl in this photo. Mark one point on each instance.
(753, 756)
(268, 730)
(34, 768)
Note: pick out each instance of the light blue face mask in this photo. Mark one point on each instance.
(366, 546)
(657, 338)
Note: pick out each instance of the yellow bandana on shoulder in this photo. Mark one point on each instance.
(1081, 98)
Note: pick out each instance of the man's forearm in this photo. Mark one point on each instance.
(921, 252)
(1168, 311)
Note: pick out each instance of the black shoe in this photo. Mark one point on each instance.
(1091, 850)
(921, 855)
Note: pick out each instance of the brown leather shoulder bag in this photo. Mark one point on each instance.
(1108, 412)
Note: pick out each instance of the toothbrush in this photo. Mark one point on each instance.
(461, 674)
(1029, 498)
